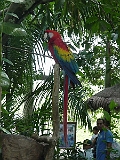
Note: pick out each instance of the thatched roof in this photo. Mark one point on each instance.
(104, 97)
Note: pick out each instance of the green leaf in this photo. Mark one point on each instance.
(19, 32)
(72, 47)
(9, 27)
(84, 52)
(108, 9)
(4, 81)
(14, 15)
(107, 116)
(7, 61)
(45, 46)
(16, 1)
(1, 27)
(95, 27)
(80, 73)
(87, 46)
(13, 29)
(95, 49)
(91, 19)
(112, 105)
(4, 130)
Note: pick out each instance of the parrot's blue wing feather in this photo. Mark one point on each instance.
(67, 64)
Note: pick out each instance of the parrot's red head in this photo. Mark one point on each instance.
(51, 35)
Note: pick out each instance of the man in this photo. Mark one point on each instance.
(104, 141)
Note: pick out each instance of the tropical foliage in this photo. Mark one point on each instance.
(93, 31)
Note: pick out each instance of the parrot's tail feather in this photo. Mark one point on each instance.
(66, 81)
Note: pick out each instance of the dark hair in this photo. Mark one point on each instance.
(87, 142)
(95, 128)
(101, 119)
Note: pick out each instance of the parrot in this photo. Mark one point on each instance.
(62, 55)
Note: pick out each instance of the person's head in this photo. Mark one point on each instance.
(87, 144)
(100, 123)
(95, 130)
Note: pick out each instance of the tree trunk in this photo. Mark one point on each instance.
(108, 65)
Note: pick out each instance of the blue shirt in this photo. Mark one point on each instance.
(103, 137)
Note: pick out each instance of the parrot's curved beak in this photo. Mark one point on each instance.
(46, 37)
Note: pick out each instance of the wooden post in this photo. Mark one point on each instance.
(55, 113)
(55, 102)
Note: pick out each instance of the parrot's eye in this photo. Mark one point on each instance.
(50, 35)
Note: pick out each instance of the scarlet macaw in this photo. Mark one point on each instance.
(65, 58)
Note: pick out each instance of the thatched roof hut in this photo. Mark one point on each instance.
(103, 98)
